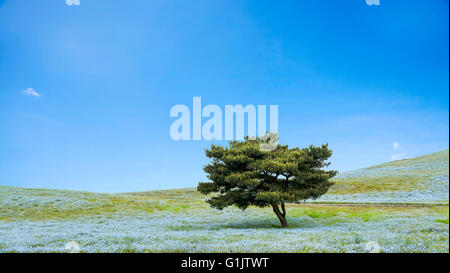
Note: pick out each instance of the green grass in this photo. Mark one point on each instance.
(443, 221)
(376, 184)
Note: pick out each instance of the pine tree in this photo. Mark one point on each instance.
(245, 173)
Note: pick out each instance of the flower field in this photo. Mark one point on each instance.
(400, 206)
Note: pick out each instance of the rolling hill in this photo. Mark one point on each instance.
(422, 179)
(42, 220)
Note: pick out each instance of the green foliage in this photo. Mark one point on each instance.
(243, 174)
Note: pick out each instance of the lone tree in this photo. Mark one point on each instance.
(247, 173)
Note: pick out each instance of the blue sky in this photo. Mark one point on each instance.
(107, 73)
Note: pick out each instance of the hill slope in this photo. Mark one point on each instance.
(422, 179)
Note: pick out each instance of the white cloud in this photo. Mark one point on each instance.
(395, 145)
(397, 156)
(31, 92)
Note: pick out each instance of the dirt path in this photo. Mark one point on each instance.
(371, 205)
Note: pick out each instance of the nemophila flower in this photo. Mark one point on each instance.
(399, 233)
(45, 220)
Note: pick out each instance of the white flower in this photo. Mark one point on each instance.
(373, 247)
(73, 247)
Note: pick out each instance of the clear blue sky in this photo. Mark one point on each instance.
(358, 77)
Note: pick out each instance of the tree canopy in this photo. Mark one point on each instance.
(245, 173)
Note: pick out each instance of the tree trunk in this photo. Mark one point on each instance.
(281, 215)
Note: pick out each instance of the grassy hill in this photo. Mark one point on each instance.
(418, 180)
(41, 220)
